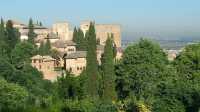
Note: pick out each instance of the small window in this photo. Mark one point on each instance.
(34, 61)
(70, 69)
(40, 67)
(77, 68)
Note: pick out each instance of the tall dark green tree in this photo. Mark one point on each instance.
(3, 45)
(40, 23)
(108, 75)
(78, 38)
(12, 35)
(75, 35)
(82, 44)
(45, 48)
(41, 49)
(92, 75)
(31, 33)
(2, 30)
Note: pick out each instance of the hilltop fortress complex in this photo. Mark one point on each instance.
(61, 36)
(63, 32)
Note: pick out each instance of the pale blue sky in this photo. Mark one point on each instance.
(153, 18)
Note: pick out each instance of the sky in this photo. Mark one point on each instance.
(166, 19)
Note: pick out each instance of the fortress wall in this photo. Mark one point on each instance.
(102, 31)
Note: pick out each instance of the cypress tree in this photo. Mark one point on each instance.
(3, 45)
(2, 30)
(81, 44)
(31, 33)
(41, 49)
(92, 78)
(40, 24)
(75, 37)
(47, 47)
(12, 35)
(108, 75)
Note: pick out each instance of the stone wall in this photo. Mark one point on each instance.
(62, 30)
(76, 66)
(102, 31)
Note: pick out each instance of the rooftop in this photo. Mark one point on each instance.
(63, 44)
(44, 58)
(77, 54)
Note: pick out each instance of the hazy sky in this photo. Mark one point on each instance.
(153, 18)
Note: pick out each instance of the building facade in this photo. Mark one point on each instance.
(46, 65)
(62, 30)
(75, 62)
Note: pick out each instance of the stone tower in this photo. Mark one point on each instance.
(85, 26)
(103, 30)
(62, 30)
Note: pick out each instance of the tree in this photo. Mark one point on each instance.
(2, 30)
(108, 75)
(139, 71)
(188, 67)
(3, 45)
(75, 35)
(82, 42)
(45, 48)
(68, 87)
(41, 49)
(12, 35)
(40, 23)
(22, 53)
(12, 96)
(92, 83)
(31, 33)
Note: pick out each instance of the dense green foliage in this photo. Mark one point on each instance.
(188, 67)
(12, 36)
(31, 33)
(12, 97)
(45, 48)
(92, 76)
(142, 81)
(22, 53)
(79, 39)
(108, 74)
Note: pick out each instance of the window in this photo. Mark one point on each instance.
(70, 49)
(77, 68)
(34, 61)
(40, 61)
(40, 67)
(70, 69)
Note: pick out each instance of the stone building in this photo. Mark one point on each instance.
(75, 62)
(62, 29)
(64, 46)
(102, 31)
(41, 31)
(46, 65)
(52, 37)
